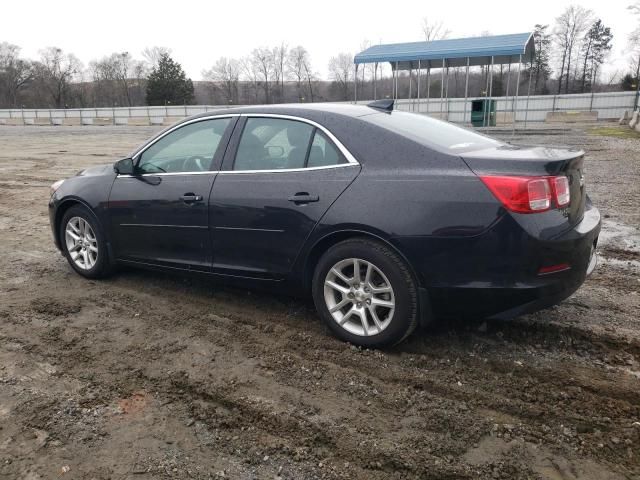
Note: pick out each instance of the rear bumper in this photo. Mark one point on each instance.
(485, 281)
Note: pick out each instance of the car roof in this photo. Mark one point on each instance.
(297, 109)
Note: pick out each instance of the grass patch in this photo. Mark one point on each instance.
(618, 131)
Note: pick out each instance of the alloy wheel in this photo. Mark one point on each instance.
(359, 297)
(81, 242)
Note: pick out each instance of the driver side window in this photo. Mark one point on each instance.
(188, 149)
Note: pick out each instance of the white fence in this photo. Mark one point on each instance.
(611, 105)
(106, 113)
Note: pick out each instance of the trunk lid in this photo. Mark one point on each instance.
(535, 161)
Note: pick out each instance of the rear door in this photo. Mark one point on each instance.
(278, 180)
(159, 215)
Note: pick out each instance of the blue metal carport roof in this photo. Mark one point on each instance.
(455, 51)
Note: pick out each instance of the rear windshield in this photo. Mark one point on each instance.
(443, 136)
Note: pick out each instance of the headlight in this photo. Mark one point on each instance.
(56, 186)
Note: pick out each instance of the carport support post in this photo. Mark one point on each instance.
(375, 81)
(635, 101)
(442, 89)
(419, 72)
(355, 85)
(490, 93)
(396, 91)
(526, 108)
(446, 93)
(428, 85)
(410, 96)
(466, 93)
(393, 83)
(515, 102)
(506, 95)
(484, 107)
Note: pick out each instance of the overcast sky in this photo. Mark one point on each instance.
(198, 32)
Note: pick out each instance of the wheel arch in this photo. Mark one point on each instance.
(69, 202)
(425, 312)
(330, 239)
(63, 207)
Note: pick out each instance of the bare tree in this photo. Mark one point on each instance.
(251, 76)
(261, 60)
(15, 74)
(152, 54)
(570, 26)
(367, 68)
(103, 75)
(226, 74)
(310, 78)
(341, 72)
(117, 79)
(434, 29)
(126, 68)
(56, 70)
(299, 69)
(279, 59)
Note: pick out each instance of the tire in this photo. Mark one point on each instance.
(392, 324)
(98, 265)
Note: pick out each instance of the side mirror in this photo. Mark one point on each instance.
(124, 166)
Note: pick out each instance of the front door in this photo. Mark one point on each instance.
(159, 215)
(271, 193)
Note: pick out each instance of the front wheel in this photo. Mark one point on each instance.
(365, 293)
(83, 243)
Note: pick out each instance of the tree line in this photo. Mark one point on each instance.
(569, 56)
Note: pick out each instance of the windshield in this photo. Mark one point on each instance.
(433, 133)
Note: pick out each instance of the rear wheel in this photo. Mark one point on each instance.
(83, 243)
(365, 293)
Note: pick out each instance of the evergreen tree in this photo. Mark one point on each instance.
(168, 84)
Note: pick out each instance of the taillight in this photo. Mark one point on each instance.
(561, 190)
(528, 194)
(539, 195)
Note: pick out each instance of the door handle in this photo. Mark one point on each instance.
(191, 198)
(303, 197)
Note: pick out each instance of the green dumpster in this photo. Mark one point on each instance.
(483, 113)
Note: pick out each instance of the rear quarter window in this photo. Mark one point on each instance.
(437, 134)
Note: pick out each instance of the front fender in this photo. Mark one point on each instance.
(90, 191)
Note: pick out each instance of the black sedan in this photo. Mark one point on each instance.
(388, 219)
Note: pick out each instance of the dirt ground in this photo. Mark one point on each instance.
(147, 375)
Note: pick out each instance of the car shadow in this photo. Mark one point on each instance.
(456, 333)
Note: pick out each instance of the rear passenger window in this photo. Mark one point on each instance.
(323, 152)
(280, 144)
(273, 144)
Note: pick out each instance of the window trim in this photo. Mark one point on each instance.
(351, 161)
(313, 137)
(137, 155)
